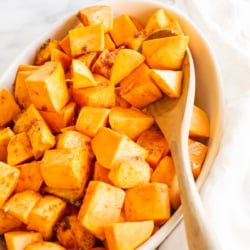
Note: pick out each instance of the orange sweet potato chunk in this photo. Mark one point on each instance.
(101, 205)
(148, 202)
(44, 245)
(128, 235)
(120, 147)
(5, 135)
(138, 88)
(8, 180)
(8, 222)
(199, 126)
(8, 106)
(131, 122)
(47, 87)
(101, 174)
(90, 119)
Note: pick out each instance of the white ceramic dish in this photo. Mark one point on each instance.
(208, 89)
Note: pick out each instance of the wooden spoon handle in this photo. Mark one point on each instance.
(200, 236)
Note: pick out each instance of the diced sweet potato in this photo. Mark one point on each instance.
(138, 88)
(70, 165)
(165, 53)
(44, 245)
(59, 120)
(90, 119)
(131, 122)
(97, 14)
(120, 101)
(72, 235)
(175, 27)
(47, 87)
(8, 222)
(88, 58)
(5, 135)
(81, 75)
(125, 24)
(199, 126)
(103, 95)
(131, 172)
(19, 149)
(125, 62)
(197, 154)
(24, 120)
(20, 204)
(108, 42)
(44, 53)
(8, 106)
(104, 63)
(159, 19)
(41, 138)
(168, 81)
(154, 141)
(165, 173)
(86, 39)
(45, 214)
(101, 205)
(128, 235)
(8, 180)
(59, 56)
(119, 148)
(148, 202)
(18, 240)
(134, 42)
(30, 177)
(101, 174)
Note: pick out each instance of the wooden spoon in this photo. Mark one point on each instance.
(173, 116)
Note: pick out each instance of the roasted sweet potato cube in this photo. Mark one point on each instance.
(108, 42)
(24, 120)
(58, 55)
(121, 102)
(81, 75)
(104, 63)
(199, 126)
(72, 235)
(149, 201)
(8, 222)
(126, 25)
(134, 42)
(30, 177)
(5, 135)
(131, 122)
(45, 214)
(159, 19)
(165, 173)
(125, 62)
(20, 204)
(19, 149)
(197, 154)
(101, 174)
(65, 45)
(8, 180)
(47, 87)
(175, 27)
(70, 165)
(90, 119)
(131, 172)
(120, 147)
(44, 53)
(138, 88)
(102, 95)
(88, 58)
(86, 39)
(18, 240)
(97, 14)
(61, 119)
(128, 235)
(27, 67)
(8, 106)
(41, 138)
(154, 141)
(168, 81)
(101, 205)
(44, 245)
(20, 90)
(165, 53)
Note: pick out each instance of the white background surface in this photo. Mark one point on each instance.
(226, 25)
